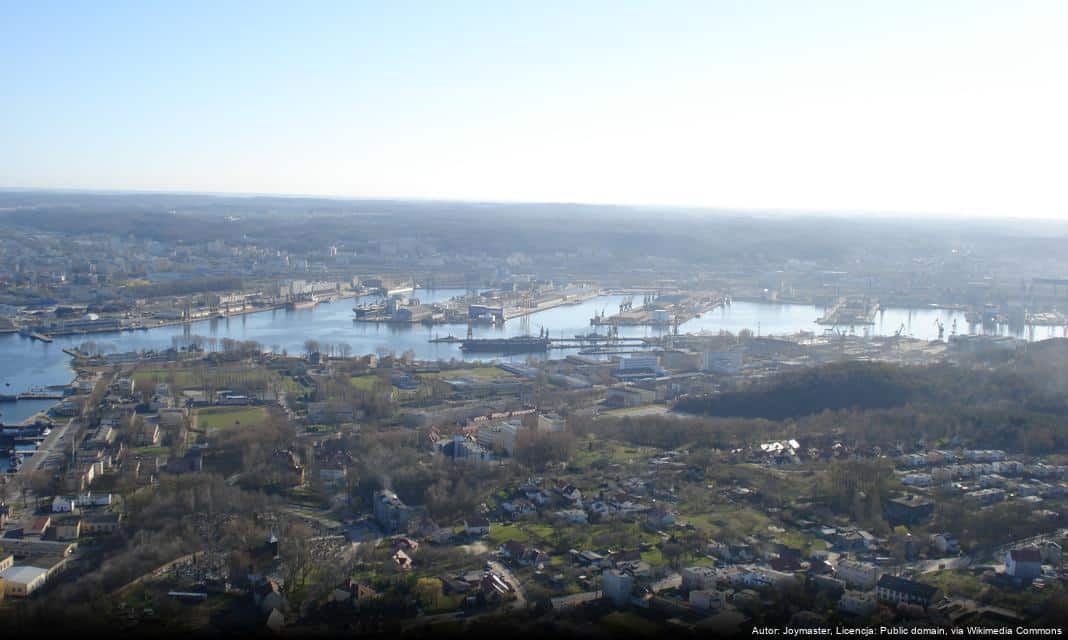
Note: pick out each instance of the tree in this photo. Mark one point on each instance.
(428, 591)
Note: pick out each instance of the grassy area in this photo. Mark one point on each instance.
(149, 451)
(594, 449)
(364, 383)
(718, 519)
(180, 377)
(499, 534)
(224, 417)
(956, 583)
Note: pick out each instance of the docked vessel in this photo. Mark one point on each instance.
(301, 303)
(518, 344)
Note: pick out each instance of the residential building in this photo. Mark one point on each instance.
(859, 575)
(617, 586)
(895, 590)
(21, 580)
(1025, 564)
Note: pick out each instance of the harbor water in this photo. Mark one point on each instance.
(26, 363)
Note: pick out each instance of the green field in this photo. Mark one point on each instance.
(364, 383)
(225, 417)
(477, 373)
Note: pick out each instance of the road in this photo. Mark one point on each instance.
(520, 601)
(51, 450)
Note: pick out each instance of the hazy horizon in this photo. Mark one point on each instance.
(894, 109)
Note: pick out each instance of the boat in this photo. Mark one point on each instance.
(364, 310)
(399, 291)
(8, 397)
(39, 394)
(448, 338)
(518, 344)
(301, 303)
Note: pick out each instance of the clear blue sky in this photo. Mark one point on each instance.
(932, 106)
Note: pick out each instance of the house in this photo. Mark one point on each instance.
(706, 599)
(101, 523)
(352, 594)
(1025, 564)
(574, 516)
(896, 590)
(586, 558)
(513, 550)
(945, 543)
(518, 507)
(39, 526)
(568, 491)
(67, 528)
(858, 575)
(659, 518)
(478, 526)
(520, 553)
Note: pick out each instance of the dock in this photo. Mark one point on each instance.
(662, 311)
(850, 312)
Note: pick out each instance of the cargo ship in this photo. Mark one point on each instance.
(301, 303)
(518, 344)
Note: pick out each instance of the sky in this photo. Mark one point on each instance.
(935, 107)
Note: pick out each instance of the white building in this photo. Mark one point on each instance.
(1024, 563)
(617, 586)
(61, 504)
(706, 599)
(550, 422)
(639, 362)
(21, 581)
(500, 436)
(699, 578)
(859, 575)
(725, 362)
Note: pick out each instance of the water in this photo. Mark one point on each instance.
(25, 363)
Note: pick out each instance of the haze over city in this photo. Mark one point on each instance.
(500, 319)
(935, 108)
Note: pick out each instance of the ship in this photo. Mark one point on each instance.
(447, 339)
(518, 344)
(364, 310)
(301, 303)
(8, 397)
